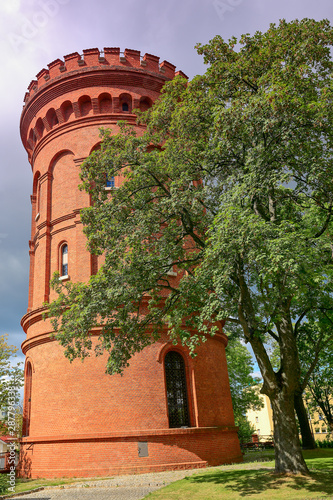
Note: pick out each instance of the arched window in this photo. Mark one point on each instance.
(64, 260)
(38, 197)
(40, 127)
(105, 103)
(32, 138)
(67, 110)
(175, 376)
(27, 401)
(125, 103)
(145, 103)
(51, 117)
(85, 105)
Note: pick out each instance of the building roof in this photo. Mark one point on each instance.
(6, 439)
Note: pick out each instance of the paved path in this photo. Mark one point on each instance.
(92, 494)
(131, 487)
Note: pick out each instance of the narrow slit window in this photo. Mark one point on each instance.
(38, 196)
(27, 406)
(64, 260)
(125, 106)
(175, 375)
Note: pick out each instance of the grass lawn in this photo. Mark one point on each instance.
(239, 481)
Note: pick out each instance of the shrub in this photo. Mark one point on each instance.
(245, 429)
(3, 483)
(327, 443)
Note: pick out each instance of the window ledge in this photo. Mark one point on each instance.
(109, 188)
(64, 278)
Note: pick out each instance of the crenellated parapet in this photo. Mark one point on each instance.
(109, 83)
(94, 58)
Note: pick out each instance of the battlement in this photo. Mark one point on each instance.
(94, 58)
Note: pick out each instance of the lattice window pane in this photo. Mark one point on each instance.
(64, 259)
(110, 182)
(176, 390)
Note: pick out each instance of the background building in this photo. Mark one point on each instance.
(262, 421)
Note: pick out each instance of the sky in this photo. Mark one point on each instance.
(34, 33)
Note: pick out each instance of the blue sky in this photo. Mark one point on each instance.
(35, 32)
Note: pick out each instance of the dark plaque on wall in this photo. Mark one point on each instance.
(143, 449)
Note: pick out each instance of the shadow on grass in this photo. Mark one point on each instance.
(257, 481)
(320, 464)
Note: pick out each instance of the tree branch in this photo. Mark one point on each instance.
(323, 229)
(299, 319)
(233, 320)
(273, 335)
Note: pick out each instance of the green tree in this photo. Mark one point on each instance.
(11, 380)
(231, 186)
(245, 429)
(319, 390)
(243, 386)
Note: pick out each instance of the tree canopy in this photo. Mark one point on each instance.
(229, 186)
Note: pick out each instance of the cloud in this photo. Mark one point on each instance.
(10, 7)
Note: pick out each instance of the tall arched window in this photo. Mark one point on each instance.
(175, 376)
(64, 260)
(38, 197)
(27, 405)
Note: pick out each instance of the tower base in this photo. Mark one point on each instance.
(128, 452)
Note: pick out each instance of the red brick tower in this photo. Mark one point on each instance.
(78, 421)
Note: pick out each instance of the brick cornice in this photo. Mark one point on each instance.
(47, 176)
(35, 341)
(129, 435)
(32, 317)
(63, 218)
(78, 161)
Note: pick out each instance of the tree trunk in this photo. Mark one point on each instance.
(288, 452)
(308, 442)
(282, 386)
